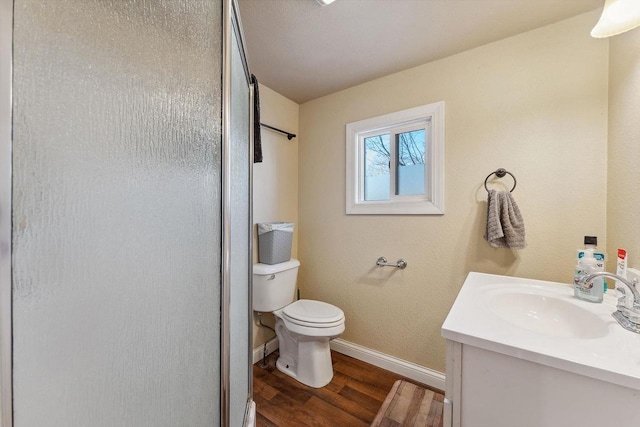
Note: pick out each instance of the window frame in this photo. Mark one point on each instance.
(430, 203)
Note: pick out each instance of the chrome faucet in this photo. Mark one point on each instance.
(627, 318)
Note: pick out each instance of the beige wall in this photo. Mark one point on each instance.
(623, 195)
(275, 180)
(535, 104)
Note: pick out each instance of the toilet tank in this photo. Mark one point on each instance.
(274, 285)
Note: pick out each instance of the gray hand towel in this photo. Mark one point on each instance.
(505, 227)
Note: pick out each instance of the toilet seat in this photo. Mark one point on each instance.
(313, 314)
(312, 319)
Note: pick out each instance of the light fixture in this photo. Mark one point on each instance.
(325, 2)
(617, 17)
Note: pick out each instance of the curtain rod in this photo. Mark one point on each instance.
(290, 136)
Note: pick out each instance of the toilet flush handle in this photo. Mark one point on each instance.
(273, 276)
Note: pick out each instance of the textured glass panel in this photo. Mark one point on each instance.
(411, 147)
(377, 176)
(239, 308)
(116, 213)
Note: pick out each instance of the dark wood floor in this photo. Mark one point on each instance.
(351, 399)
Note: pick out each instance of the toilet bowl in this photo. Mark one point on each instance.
(304, 327)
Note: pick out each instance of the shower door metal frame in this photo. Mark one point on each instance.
(231, 24)
(6, 108)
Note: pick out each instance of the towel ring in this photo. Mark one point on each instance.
(501, 173)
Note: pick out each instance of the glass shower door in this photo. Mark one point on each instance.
(116, 213)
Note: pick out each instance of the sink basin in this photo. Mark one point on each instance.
(546, 314)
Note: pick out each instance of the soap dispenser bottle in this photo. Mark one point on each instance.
(593, 290)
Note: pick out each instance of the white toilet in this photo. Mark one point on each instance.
(303, 327)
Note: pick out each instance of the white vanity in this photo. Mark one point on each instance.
(526, 353)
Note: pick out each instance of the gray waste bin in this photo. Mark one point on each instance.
(274, 242)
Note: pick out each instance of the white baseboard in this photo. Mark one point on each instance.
(272, 345)
(410, 370)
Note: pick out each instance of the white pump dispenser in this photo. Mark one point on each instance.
(593, 290)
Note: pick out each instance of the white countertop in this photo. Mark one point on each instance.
(610, 353)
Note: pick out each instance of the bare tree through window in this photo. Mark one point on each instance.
(411, 148)
(411, 151)
(378, 155)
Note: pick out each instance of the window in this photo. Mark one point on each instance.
(395, 163)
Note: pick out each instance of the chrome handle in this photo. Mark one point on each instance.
(273, 276)
(382, 262)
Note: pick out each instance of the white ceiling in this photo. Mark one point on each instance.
(303, 50)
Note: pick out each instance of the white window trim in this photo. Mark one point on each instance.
(412, 205)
